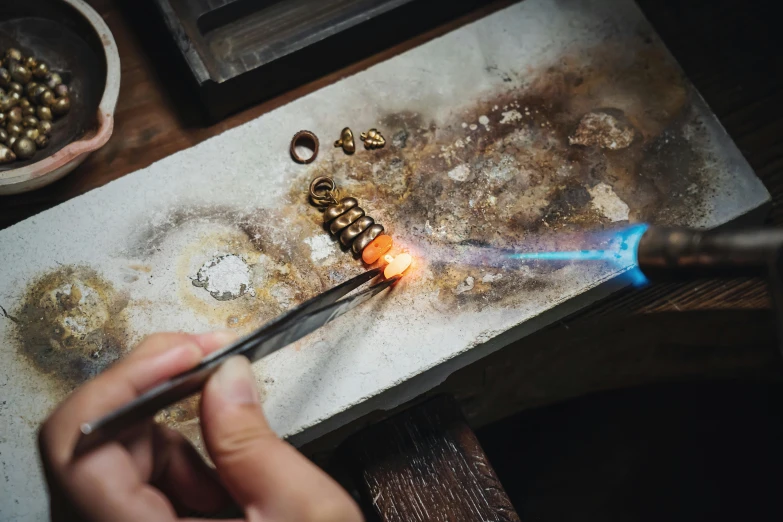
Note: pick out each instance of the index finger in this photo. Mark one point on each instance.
(157, 358)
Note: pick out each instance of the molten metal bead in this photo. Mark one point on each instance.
(379, 246)
(24, 148)
(336, 210)
(345, 219)
(397, 265)
(365, 238)
(356, 228)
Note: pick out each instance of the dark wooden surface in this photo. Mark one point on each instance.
(426, 464)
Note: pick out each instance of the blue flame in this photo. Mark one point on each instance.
(622, 251)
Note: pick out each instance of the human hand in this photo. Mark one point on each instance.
(154, 474)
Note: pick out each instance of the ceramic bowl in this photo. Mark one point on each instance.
(74, 41)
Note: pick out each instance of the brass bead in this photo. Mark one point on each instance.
(29, 111)
(10, 142)
(42, 141)
(54, 80)
(334, 211)
(21, 74)
(6, 103)
(15, 115)
(29, 88)
(14, 129)
(6, 155)
(35, 93)
(30, 62)
(13, 54)
(24, 148)
(40, 71)
(24, 103)
(30, 122)
(45, 127)
(61, 90)
(3, 118)
(345, 219)
(61, 106)
(31, 133)
(365, 238)
(5, 77)
(354, 229)
(15, 87)
(3, 135)
(44, 113)
(15, 97)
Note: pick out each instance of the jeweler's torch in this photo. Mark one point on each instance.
(686, 254)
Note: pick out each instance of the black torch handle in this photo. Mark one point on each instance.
(685, 254)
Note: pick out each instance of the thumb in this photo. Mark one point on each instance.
(266, 476)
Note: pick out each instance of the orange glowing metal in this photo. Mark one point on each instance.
(379, 246)
(397, 265)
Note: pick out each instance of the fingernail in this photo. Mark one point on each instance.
(236, 382)
(184, 354)
(218, 338)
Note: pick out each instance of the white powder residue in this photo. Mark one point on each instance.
(491, 278)
(608, 203)
(483, 120)
(465, 286)
(225, 277)
(283, 294)
(460, 172)
(321, 247)
(511, 116)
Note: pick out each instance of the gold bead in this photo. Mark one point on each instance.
(31, 133)
(30, 62)
(21, 74)
(13, 54)
(15, 115)
(44, 113)
(30, 122)
(54, 80)
(5, 77)
(45, 127)
(6, 154)
(334, 211)
(42, 141)
(354, 229)
(41, 71)
(345, 219)
(365, 238)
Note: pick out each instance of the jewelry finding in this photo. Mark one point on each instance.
(373, 139)
(307, 139)
(346, 141)
(347, 221)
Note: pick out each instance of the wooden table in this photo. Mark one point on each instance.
(726, 48)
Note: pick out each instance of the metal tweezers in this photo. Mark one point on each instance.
(276, 334)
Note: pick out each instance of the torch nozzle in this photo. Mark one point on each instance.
(685, 253)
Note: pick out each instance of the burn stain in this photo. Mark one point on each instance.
(502, 174)
(71, 325)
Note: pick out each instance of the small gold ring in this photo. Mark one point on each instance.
(323, 191)
(304, 138)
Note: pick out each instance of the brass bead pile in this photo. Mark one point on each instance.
(31, 97)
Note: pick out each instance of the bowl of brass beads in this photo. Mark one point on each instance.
(59, 83)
